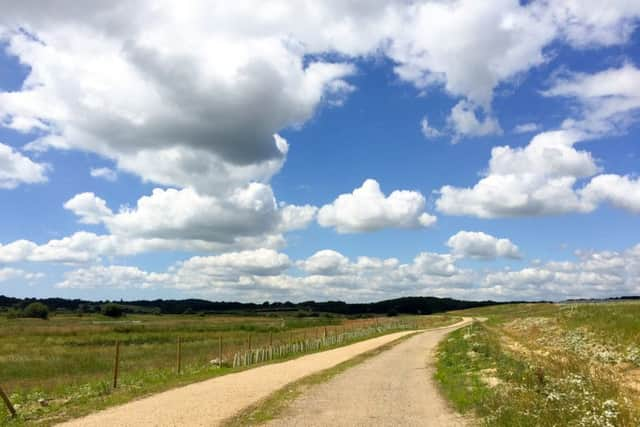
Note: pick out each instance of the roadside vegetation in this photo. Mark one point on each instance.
(546, 365)
(62, 367)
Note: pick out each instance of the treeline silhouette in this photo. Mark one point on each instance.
(406, 305)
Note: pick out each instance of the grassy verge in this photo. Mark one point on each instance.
(273, 406)
(503, 387)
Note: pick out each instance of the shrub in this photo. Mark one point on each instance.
(36, 310)
(112, 310)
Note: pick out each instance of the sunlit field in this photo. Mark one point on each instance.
(546, 365)
(62, 367)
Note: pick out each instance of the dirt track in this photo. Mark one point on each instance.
(209, 402)
(394, 388)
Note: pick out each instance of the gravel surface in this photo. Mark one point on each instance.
(394, 388)
(209, 402)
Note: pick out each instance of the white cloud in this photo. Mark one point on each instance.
(244, 218)
(176, 94)
(296, 217)
(537, 179)
(104, 173)
(231, 266)
(16, 169)
(367, 209)
(620, 191)
(10, 274)
(113, 277)
(479, 245)
(326, 262)
(526, 128)
(608, 99)
(183, 110)
(90, 208)
(595, 274)
(427, 130)
(544, 176)
(256, 275)
(464, 122)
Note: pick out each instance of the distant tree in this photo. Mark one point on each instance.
(392, 312)
(36, 310)
(112, 310)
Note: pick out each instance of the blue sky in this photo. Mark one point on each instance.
(343, 151)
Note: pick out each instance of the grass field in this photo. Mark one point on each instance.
(546, 365)
(63, 367)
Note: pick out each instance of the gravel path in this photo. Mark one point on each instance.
(395, 388)
(209, 402)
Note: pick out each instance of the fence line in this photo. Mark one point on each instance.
(305, 345)
(290, 343)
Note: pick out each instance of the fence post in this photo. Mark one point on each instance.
(270, 338)
(249, 342)
(219, 351)
(7, 402)
(116, 365)
(179, 355)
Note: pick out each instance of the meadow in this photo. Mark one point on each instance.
(63, 367)
(567, 364)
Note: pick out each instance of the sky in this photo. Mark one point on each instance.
(343, 150)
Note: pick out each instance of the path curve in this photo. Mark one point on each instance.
(209, 402)
(394, 388)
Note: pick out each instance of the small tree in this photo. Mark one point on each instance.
(112, 310)
(36, 310)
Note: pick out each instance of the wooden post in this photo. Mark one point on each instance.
(325, 332)
(179, 355)
(7, 402)
(220, 351)
(270, 339)
(116, 365)
(249, 342)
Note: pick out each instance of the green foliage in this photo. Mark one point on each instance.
(112, 310)
(36, 310)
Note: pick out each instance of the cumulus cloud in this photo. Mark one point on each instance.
(479, 245)
(537, 179)
(90, 208)
(246, 216)
(594, 274)
(368, 209)
(107, 174)
(263, 274)
(526, 128)
(544, 176)
(16, 169)
(464, 121)
(326, 262)
(621, 191)
(185, 107)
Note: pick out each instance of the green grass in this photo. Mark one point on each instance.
(68, 360)
(544, 365)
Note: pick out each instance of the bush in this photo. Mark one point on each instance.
(112, 310)
(36, 310)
